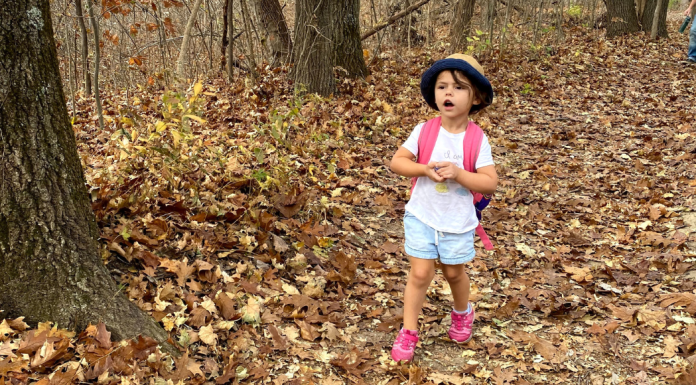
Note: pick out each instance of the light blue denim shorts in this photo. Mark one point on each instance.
(424, 242)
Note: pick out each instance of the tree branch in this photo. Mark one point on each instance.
(393, 19)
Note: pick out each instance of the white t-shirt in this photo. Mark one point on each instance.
(446, 206)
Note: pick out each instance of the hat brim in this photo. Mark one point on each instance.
(477, 79)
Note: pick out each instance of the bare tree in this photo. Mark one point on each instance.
(251, 57)
(228, 37)
(84, 49)
(183, 52)
(97, 60)
(50, 268)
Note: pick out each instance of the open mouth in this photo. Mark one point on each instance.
(448, 103)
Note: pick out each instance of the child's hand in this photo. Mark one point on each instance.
(432, 174)
(447, 170)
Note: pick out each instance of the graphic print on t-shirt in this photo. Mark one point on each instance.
(442, 188)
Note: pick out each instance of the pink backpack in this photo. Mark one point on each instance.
(472, 146)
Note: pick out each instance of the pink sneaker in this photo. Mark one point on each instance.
(460, 331)
(404, 346)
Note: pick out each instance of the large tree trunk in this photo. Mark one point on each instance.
(622, 18)
(50, 269)
(270, 15)
(461, 25)
(347, 46)
(85, 47)
(313, 71)
(649, 15)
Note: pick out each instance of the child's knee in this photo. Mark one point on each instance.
(421, 276)
(454, 275)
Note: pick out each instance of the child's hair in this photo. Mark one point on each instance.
(459, 77)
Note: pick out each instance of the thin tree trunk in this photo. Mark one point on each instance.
(656, 20)
(251, 57)
(655, 11)
(50, 268)
(408, 28)
(504, 29)
(85, 47)
(229, 49)
(313, 70)
(347, 46)
(621, 18)
(71, 78)
(461, 26)
(491, 22)
(183, 51)
(559, 22)
(538, 22)
(270, 15)
(594, 13)
(97, 59)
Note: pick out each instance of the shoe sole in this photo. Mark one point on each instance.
(462, 342)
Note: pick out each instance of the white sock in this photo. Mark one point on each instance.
(467, 311)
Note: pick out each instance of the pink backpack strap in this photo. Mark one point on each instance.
(426, 143)
(472, 147)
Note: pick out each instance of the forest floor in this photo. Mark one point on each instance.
(264, 230)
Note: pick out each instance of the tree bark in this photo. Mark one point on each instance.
(85, 47)
(50, 269)
(272, 20)
(347, 46)
(649, 15)
(461, 25)
(622, 18)
(313, 70)
(183, 52)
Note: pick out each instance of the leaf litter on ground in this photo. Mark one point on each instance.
(263, 231)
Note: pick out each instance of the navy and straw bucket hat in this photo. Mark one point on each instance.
(470, 67)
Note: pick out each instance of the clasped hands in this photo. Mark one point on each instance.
(439, 171)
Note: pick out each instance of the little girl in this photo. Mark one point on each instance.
(440, 218)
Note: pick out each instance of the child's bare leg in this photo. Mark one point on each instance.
(459, 283)
(419, 278)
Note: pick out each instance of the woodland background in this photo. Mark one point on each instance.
(243, 197)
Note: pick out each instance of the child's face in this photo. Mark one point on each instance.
(454, 97)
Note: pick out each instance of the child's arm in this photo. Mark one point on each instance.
(403, 163)
(484, 180)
